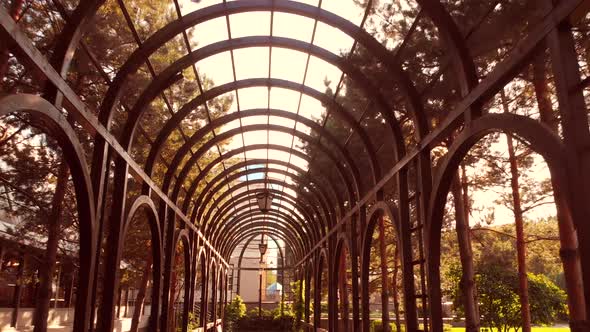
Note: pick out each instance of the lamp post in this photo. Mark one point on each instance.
(262, 248)
(264, 199)
(260, 292)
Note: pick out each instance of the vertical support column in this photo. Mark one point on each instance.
(194, 267)
(576, 136)
(406, 257)
(157, 267)
(204, 293)
(283, 290)
(307, 292)
(113, 251)
(100, 183)
(343, 306)
(300, 277)
(317, 298)
(214, 286)
(259, 292)
(354, 261)
(332, 286)
(186, 303)
(384, 275)
(239, 278)
(169, 248)
(225, 297)
(230, 284)
(365, 315)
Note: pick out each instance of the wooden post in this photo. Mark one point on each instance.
(342, 287)
(317, 297)
(260, 293)
(307, 296)
(384, 283)
(204, 300)
(283, 290)
(576, 136)
(356, 222)
(394, 283)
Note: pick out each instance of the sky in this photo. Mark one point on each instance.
(290, 65)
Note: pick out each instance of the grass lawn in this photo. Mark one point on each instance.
(535, 329)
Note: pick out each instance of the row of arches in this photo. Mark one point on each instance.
(325, 223)
(548, 145)
(195, 256)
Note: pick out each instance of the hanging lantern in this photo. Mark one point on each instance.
(264, 200)
(262, 248)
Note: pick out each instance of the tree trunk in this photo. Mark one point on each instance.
(472, 322)
(519, 223)
(140, 298)
(395, 294)
(16, 10)
(567, 233)
(53, 233)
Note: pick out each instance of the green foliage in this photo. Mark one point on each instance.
(298, 303)
(254, 313)
(283, 310)
(193, 322)
(498, 295)
(264, 323)
(377, 326)
(497, 287)
(495, 245)
(548, 301)
(235, 310)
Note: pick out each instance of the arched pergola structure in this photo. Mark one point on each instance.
(204, 196)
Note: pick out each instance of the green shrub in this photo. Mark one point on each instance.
(253, 313)
(235, 310)
(193, 321)
(265, 323)
(377, 326)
